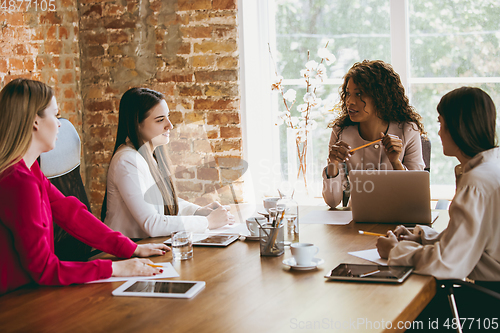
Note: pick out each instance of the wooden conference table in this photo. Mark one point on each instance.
(244, 293)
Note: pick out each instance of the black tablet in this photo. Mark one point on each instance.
(366, 273)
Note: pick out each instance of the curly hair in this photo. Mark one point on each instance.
(378, 80)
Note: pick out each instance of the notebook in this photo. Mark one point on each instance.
(390, 196)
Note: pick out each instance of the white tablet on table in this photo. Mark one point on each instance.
(211, 240)
(160, 288)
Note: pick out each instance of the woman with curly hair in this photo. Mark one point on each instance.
(373, 107)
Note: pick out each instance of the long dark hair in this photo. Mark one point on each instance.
(135, 106)
(378, 80)
(469, 115)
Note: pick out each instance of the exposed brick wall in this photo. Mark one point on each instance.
(39, 44)
(187, 50)
(92, 51)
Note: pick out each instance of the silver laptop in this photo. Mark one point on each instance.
(390, 196)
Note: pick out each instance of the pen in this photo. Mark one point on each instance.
(363, 146)
(369, 273)
(361, 232)
(159, 266)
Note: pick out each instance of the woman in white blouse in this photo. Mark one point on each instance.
(140, 197)
(470, 246)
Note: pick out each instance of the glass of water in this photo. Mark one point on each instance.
(182, 245)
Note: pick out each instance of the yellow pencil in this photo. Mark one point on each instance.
(370, 233)
(363, 146)
(159, 266)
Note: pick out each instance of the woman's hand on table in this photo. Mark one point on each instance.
(220, 217)
(385, 244)
(402, 233)
(152, 249)
(206, 210)
(134, 267)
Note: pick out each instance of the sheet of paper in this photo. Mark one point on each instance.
(168, 272)
(237, 228)
(337, 217)
(370, 255)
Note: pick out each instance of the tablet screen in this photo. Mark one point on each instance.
(162, 287)
(215, 239)
(359, 272)
(210, 240)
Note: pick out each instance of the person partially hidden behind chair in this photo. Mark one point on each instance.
(29, 203)
(140, 198)
(373, 107)
(470, 246)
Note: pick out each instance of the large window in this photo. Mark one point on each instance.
(435, 45)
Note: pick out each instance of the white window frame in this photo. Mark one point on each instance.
(260, 137)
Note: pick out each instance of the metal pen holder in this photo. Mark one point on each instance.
(272, 242)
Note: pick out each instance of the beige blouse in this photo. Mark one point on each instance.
(372, 157)
(470, 245)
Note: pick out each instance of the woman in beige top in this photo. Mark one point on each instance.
(470, 245)
(373, 106)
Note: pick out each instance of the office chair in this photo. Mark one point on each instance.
(62, 167)
(491, 294)
(426, 152)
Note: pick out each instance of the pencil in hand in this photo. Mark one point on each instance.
(361, 232)
(363, 146)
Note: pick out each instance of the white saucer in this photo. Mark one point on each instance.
(291, 262)
(250, 238)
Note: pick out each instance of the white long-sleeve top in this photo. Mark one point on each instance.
(372, 157)
(138, 214)
(470, 245)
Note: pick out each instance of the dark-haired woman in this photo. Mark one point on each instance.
(29, 203)
(141, 199)
(470, 245)
(373, 106)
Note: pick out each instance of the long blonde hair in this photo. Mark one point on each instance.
(21, 100)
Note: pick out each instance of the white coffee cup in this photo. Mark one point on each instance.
(303, 253)
(253, 226)
(270, 203)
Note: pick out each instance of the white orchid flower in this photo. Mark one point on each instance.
(309, 97)
(282, 114)
(290, 95)
(321, 72)
(311, 65)
(302, 107)
(312, 125)
(327, 55)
